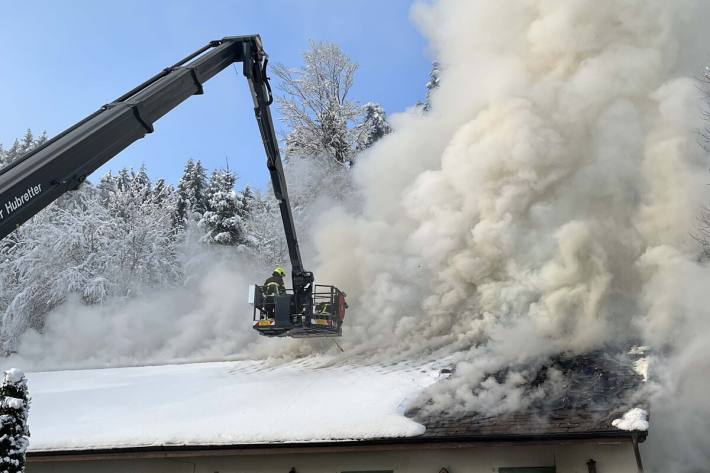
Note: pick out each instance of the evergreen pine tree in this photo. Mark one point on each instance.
(191, 189)
(141, 182)
(123, 180)
(247, 199)
(106, 187)
(223, 219)
(432, 84)
(20, 147)
(14, 433)
(161, 191)
(374, 126)
(165, 197)
(182, 206)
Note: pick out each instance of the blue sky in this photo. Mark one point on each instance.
(61, 60)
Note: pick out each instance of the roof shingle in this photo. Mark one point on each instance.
(598, 388)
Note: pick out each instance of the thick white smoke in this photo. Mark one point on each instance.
(543, 205)
(206, 319)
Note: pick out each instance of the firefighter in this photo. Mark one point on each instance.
(273, 287)
(275, 284)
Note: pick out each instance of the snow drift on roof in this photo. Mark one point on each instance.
(221, 404)
(635, 419)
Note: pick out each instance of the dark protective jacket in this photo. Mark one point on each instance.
(274, 286)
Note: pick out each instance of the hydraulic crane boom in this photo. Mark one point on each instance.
(63, 163)
(261, 93)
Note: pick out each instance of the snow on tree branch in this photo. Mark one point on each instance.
(323, 121)
(14, 432)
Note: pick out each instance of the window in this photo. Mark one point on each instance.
(528, 469)
(370, 471)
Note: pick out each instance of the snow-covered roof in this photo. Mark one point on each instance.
(225, 403)
(306, 401)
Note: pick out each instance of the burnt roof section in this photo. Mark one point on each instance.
(594, 390)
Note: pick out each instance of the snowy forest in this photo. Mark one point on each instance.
(126, 232)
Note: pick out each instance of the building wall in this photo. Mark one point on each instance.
(567, 458)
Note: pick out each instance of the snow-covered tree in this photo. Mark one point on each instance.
(20, 147)
(322, 120)
(114, 240)
(141, 184)
(59, 252)
(14, 432)
(165, 197)
(191, 198)
(162, 191)
(264, 233)
(432, 84)
(143, 250)
(247, 197)
(223, 218)
(373, 127)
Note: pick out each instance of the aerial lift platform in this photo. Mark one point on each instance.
(276, 315)
(62, 163)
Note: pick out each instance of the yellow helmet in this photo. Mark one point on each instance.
(280, 272)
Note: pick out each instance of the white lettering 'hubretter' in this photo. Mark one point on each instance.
(20, 200)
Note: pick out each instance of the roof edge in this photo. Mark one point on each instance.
(464, 441)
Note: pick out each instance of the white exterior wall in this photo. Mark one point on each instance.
(567, 458)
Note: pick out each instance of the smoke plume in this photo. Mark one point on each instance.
(543, 205)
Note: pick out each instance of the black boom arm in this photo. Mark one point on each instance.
(62, 163)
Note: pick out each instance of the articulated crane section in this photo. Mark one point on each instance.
(63, 163)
